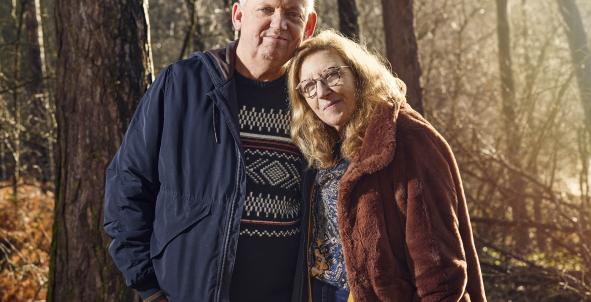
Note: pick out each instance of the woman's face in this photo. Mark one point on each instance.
(328, 86)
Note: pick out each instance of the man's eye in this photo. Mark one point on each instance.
(294, 15)
(267, 10)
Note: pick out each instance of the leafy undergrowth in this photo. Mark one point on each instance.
(25, 239)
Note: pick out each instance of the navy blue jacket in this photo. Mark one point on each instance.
(175, 190)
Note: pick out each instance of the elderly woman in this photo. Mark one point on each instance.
(388, 219)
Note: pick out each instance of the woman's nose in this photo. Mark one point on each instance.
(322, 89)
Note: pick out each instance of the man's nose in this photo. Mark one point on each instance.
(322, 90)
(279, 20)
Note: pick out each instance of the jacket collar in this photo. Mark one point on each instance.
(379, 143)
(225, 59)
(377, 151)
(224, 93)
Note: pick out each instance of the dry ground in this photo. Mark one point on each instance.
(25, 239)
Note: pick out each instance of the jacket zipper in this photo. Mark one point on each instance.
(220, 275)
(217, 296)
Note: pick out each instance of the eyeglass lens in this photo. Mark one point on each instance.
(330, 78)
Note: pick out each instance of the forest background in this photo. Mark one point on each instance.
(507, 82)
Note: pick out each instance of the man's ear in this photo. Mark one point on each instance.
(310, 25)
(236, 16)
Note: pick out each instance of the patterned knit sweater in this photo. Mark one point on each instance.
(269, 229)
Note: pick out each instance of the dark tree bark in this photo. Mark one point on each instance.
(7, 31)
(103, 68)
(516, 200)
(580, 54)
(348, 14)
(401, 47)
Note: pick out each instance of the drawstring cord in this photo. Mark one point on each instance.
(215, 131)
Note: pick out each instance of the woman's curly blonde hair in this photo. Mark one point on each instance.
(374, 85)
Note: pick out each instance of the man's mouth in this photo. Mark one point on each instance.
(275, 35)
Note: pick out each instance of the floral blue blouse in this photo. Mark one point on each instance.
(325, 256)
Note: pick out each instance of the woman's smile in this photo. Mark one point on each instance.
(331, 105)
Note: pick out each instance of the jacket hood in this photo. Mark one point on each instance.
(225, 59)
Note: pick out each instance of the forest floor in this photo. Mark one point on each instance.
(25, 240)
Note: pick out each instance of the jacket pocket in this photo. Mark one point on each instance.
(173, 215)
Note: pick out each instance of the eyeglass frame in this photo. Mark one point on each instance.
(321, 79)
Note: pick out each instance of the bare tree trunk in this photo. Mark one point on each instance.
(47, 100)
(16, 74)
(38, 95)
(228, 27)
(103, 69)
(193, 36)
(348, 14)
(3, 167)
(584, 224)
(580, 54)
(581, 59)
(35, 42)
(401, 47)
(48, 105)
(540, 234)
(516, 199)
(6, 10)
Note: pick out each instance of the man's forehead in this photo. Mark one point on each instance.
(281, 3)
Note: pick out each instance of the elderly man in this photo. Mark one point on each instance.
(204, 200)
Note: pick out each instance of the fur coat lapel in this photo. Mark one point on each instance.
(378, 148)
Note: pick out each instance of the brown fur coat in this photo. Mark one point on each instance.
(403, 219)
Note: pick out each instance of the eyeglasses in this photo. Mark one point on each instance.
(330, 77)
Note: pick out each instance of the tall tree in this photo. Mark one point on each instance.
(34, 37)
(16, 73)
(194, 32)
(581, 60)
(580, 54)
(6, 32)
(348, 14)
(401, 47)
(41, 108)
(103, 67)
(516, 198)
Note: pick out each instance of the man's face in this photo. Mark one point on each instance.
(272, 29)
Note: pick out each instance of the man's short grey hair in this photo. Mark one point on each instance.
(308, 5)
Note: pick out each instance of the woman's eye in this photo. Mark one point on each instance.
(308, 87)
(332, 76)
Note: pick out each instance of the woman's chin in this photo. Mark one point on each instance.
(336, 121)
(335, 124)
